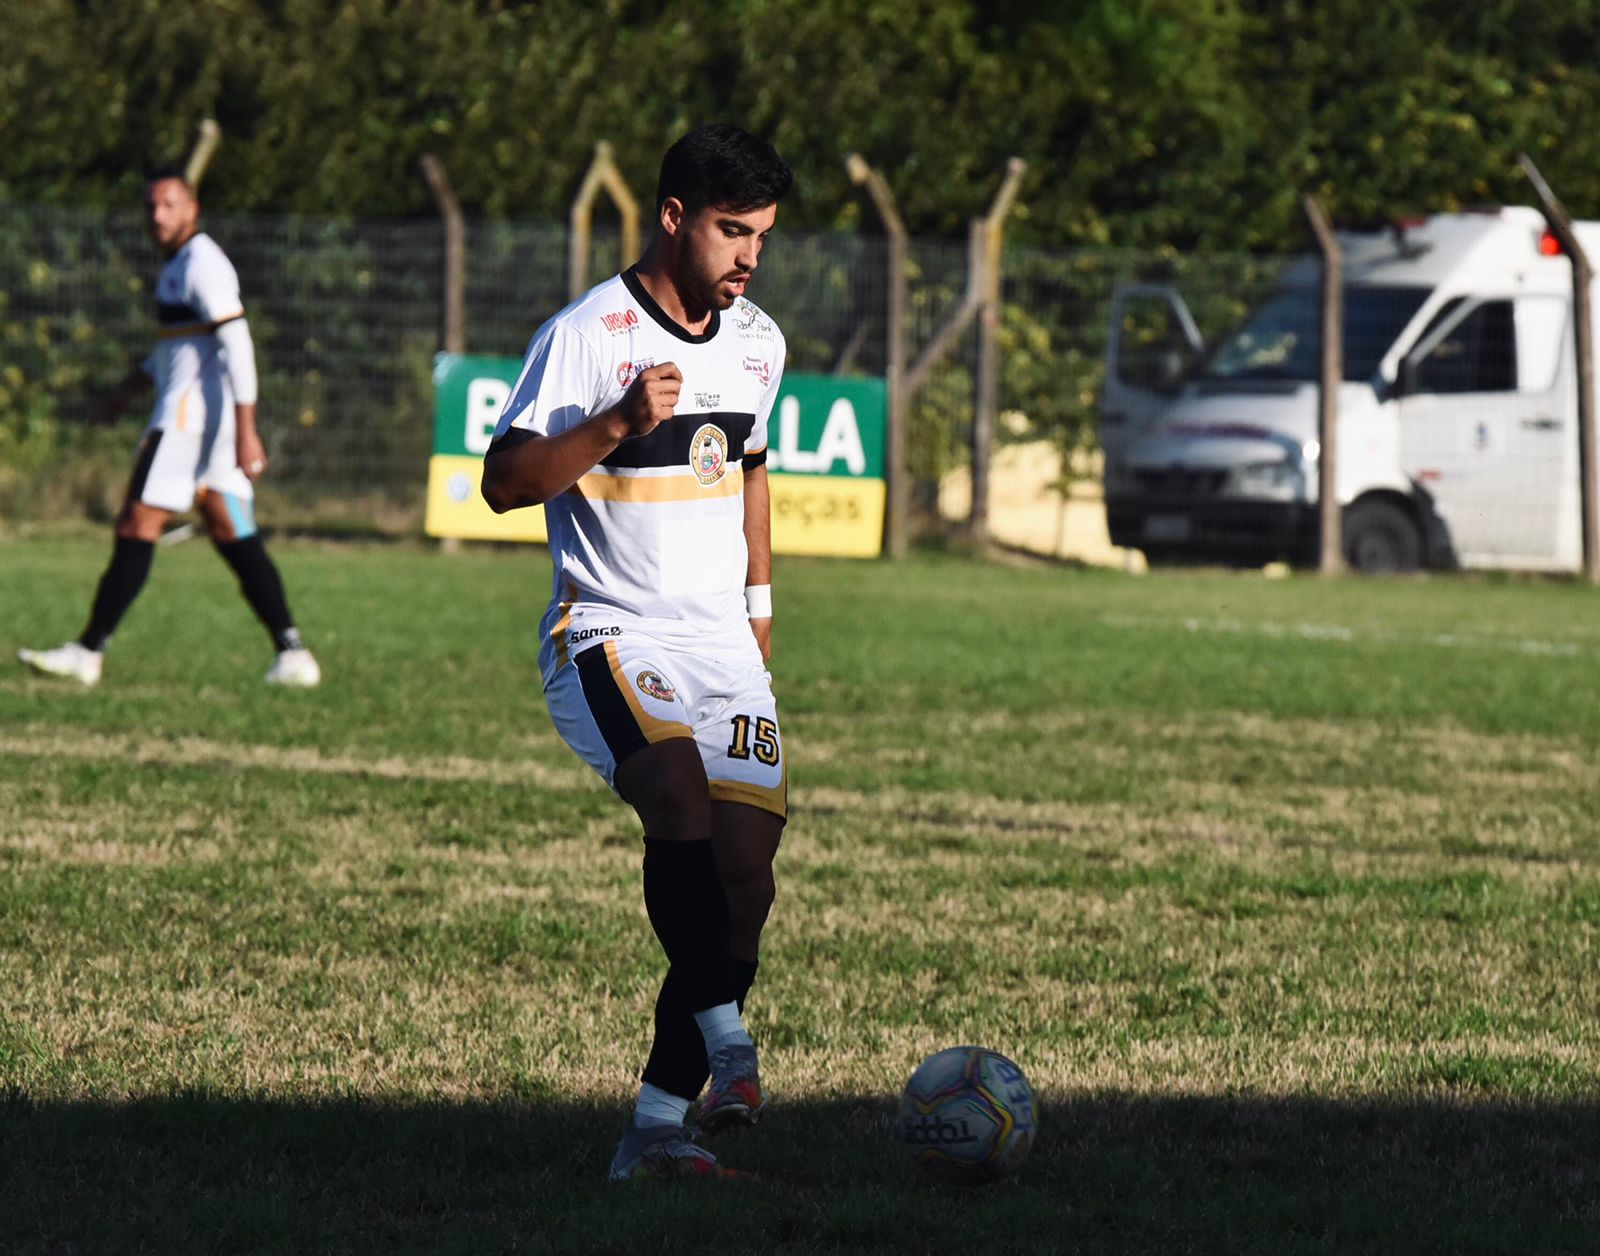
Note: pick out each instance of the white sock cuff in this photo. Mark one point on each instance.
(657, 1107)
(720, 1026)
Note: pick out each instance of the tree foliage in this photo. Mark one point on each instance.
(1144, 122)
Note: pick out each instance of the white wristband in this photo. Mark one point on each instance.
(758, 601)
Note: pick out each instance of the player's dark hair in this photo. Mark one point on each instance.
(157, 174)
(724, 166)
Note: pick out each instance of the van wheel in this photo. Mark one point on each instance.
(1380, 537)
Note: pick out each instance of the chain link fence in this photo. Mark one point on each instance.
(346, 317)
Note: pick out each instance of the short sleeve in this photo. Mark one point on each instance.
(214, 287)
(755, 448)
(560, 385)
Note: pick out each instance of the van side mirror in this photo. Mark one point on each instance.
(1405, 383)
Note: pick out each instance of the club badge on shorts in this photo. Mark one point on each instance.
(708, 454)
(655, 684)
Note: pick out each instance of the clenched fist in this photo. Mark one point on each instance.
(651, 398)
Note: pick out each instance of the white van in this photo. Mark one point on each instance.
(1458, 433)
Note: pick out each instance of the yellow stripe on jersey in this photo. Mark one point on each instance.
(598, 486)
(654, 730)
(558, 634)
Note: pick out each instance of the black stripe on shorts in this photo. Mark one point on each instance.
(141, 468)
(608, 704)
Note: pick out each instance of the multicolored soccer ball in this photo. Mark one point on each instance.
(967, 1112)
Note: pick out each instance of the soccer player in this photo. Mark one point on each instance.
(200, 448)
(640, 422)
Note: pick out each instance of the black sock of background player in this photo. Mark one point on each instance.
(262, 588)
(124, 577)
(688, 910)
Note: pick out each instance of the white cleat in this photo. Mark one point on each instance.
(71, 661)
(295, 668)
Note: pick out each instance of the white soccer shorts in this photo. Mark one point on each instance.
(629, 690)
(189, 447)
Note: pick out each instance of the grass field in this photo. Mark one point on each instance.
(1286, 895)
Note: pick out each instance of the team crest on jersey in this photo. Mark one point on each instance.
(656, 685)
(708, 454)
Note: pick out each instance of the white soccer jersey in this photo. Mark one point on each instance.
(656, 530)
(198, 289)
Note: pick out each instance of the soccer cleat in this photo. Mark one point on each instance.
(72, 661)
(296, 668)
(734, 1096)
(662, 1151)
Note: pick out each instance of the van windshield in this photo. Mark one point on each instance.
(1282, 339)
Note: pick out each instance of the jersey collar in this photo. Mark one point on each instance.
(630, 279)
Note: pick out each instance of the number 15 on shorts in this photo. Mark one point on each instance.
(758, 736)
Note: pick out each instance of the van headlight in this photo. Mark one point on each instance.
(1257, 478)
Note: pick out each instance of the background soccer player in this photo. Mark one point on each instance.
(640, 421)
(201, 447)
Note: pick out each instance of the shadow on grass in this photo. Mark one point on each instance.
(1109, 1174)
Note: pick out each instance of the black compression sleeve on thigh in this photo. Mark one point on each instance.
(124, 577)
(262, 588)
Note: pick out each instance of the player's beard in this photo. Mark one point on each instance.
(707, 289)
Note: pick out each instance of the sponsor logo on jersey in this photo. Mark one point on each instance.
(707, 401)
(749, 321)
(708, 454)
(760, 368)
(656, 685)
(620, 321)
(629, 371)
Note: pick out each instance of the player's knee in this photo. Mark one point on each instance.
(134, 526)
(666, 785)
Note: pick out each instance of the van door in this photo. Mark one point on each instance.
(1481, 424)
(1152, 342)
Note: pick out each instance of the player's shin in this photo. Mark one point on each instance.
(123, 579)
(262, 587)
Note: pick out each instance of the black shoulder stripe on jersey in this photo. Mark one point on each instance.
(169, 313)
(608, 704)
(668, 445)
(757, 459)
(630, 280)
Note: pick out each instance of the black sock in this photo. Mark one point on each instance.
(678, 1062)
(684, 898)
(744, 972)
(262, 588)
(124, 577)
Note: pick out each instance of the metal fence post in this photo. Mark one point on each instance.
(602, 173)
(986, 400)
(897, 505)
(1583, 332)
(1331, 550)
(453, 306)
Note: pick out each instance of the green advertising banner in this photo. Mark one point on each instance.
(824, 453)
